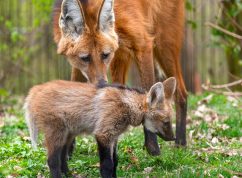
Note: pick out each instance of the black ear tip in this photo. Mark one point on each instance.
(64, 7)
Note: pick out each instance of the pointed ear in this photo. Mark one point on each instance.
(106, 17)
(72, 21)
(169, 87)
(156, 95)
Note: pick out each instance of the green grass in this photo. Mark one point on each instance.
(214, 147)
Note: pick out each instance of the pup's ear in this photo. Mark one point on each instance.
(156, 95)
(169, 87)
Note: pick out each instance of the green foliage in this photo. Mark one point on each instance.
(26, 26)
(190, 8)
(43, 10)
(17, 30)
(202, 158)
(231, 20)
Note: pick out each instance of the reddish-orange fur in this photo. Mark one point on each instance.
(147, 30)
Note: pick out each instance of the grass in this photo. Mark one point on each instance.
(214, 146)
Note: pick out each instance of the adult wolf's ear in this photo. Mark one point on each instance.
(72, 19)
(169, 87)
(155, 95)
(106, 16)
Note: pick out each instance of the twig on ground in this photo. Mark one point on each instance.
(215, 88)
(233, 76)
(238, 82)
(234, 94)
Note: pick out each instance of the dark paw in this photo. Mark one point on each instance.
(153, 149)
(181, 143)
(66, 172)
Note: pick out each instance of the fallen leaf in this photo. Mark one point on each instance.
(1, 122)
(147, 170)
(128, 150)
(128, 167)
(191, 134)
(96, 165)
(206, 100)
(40, 175)
(17, 168)
(214, 140)
(85, 140)
(225, 126)
(134, 160)
(26, 139)
(220, 176)
(233, 100)
(78, 176)
(207, 173)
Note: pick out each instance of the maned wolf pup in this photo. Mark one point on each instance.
(62, 110)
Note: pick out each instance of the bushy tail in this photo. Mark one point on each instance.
(33, 130)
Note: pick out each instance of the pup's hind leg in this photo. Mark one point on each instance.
(64, 166)
(65, 153)
(115, 159)
(55, 142)
(106, 157)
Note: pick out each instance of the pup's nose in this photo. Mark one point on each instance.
(173, 138)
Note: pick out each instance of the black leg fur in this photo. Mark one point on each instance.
(115, 160)
(151, 143)
(64, 165)
(181, 115)
(55, 164)
(106, 163)
(71, 148)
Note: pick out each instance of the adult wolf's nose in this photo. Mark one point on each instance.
(101, 83)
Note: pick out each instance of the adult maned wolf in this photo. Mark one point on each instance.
(96, 34)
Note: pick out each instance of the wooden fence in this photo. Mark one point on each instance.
(28, 53)
(202, 60)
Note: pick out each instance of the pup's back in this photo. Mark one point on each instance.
(59, 95)
(62, 102)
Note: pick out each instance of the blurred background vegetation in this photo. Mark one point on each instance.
(28, 53)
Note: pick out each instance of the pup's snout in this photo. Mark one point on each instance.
(166, 138)
(170, 139)
(173, 138)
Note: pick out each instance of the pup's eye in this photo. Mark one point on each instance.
(105, 55)
(166, 121)
(86, 58)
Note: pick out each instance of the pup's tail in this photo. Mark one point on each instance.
(33, 130)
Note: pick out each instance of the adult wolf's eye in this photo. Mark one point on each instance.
(85, 58)
(105, 55)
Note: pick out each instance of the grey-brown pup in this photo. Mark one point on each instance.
(62, 110)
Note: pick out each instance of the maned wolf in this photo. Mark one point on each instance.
(62, 110)
(96, 34)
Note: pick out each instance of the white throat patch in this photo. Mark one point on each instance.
(149, 125)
